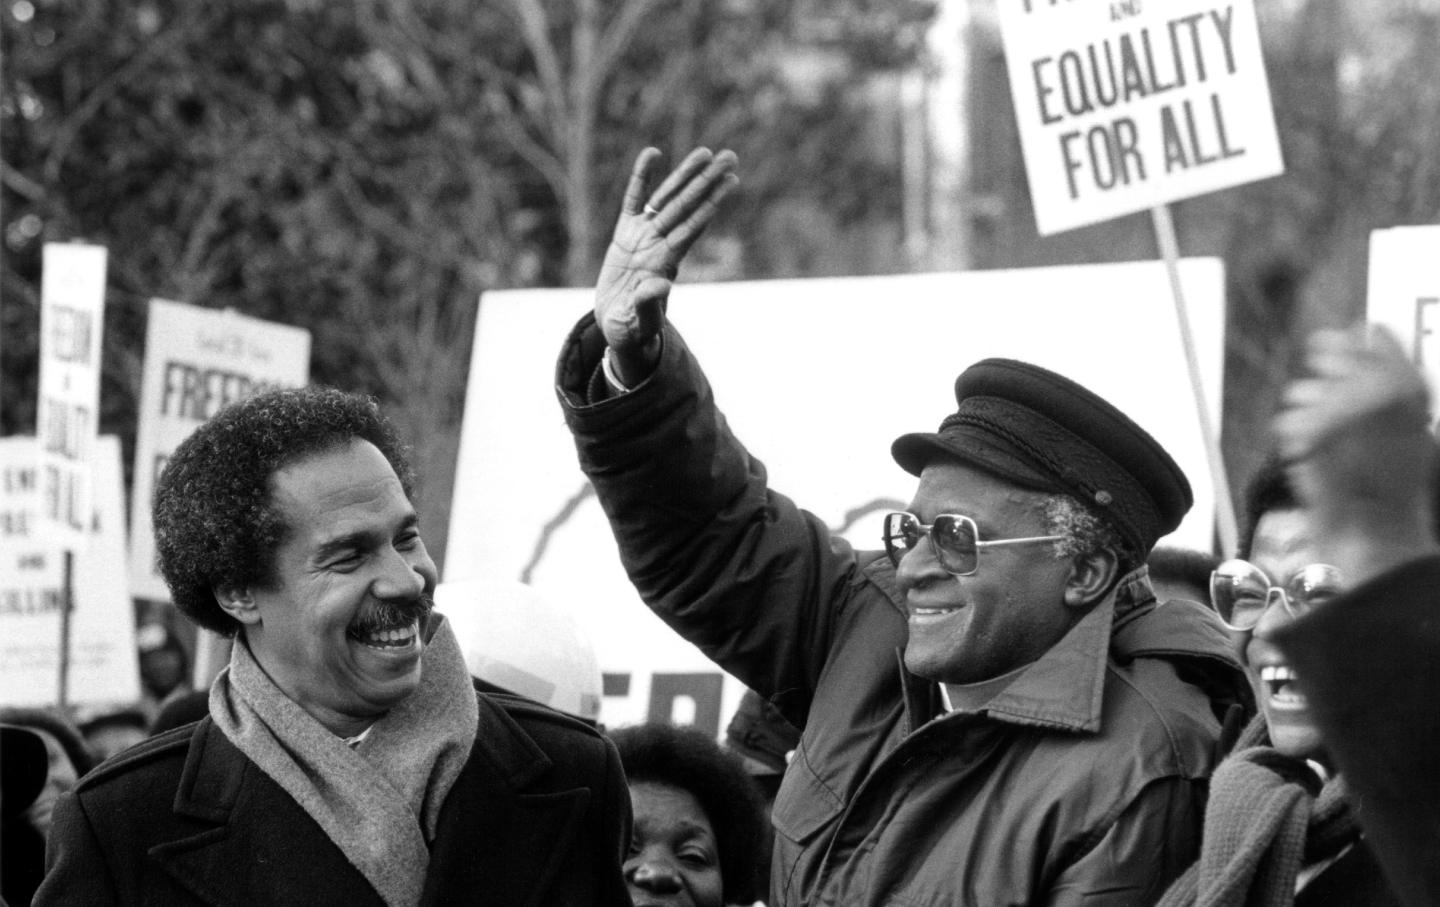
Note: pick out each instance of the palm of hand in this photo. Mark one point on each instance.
(628, 312)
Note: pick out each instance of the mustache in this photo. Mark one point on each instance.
(392, 615)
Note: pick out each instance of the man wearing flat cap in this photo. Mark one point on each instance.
(994, 710)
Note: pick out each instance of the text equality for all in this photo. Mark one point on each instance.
(1118, 71)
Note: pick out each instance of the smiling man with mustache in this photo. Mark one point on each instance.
(347, 758)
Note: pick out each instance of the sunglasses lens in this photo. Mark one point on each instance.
(902, 532)
(1315, 584)
(954, 539)
(1239, 591)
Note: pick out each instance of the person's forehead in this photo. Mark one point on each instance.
(346, 476)
(660, 806)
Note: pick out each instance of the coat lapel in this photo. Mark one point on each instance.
(495, 841)
(261, 846)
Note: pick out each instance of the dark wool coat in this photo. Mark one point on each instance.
(1084, 781)
(539, 815)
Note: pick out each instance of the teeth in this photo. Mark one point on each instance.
(1280, 681)
(392, 637)
(930, 612)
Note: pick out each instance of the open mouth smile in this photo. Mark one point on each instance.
(1279, 683)
(395, 638)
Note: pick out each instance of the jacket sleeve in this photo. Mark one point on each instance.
(1369, 661)
(1154, 840)
(75, 868)
(735, 568)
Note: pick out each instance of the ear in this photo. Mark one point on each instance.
(237, 602)
(1091, 576)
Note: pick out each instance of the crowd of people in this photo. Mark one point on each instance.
(992, 707)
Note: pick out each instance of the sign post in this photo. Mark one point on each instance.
(1226, 525)
(72, 301)
(1125, 106)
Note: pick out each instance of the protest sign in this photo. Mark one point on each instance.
(72, 303)
(196, 361)
(817, 377)
(1403, 292)
(1124, 105)
(103, 661)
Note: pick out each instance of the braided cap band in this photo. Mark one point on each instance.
(1040, 430)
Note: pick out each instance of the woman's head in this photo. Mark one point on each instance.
(699, 830)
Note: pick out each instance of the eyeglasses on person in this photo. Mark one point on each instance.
(953, 537)
(1244, 591)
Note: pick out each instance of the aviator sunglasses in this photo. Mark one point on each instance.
(954, 538)
(1243, 591)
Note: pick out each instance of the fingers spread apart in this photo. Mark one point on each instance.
(686, 201)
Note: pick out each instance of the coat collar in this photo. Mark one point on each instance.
(1064, 689)
(254, 844)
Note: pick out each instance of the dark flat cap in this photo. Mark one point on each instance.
(1040, 430)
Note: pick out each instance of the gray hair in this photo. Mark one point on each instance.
(1084, 531)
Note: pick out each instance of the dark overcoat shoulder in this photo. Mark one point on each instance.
(539, 815)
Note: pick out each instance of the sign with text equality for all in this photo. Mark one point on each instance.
(1403, 293)
(103, 658)
(72, 305)
(1125, 105)
(198, 360)
(816, 377)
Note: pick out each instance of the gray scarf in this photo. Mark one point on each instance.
(379, 802)
(1263, 823)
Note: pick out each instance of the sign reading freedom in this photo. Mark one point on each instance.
(197, 361)
(1125, 105)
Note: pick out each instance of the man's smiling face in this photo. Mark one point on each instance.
(339, 624)
(965, 629)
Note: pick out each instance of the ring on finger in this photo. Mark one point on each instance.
(651, 210)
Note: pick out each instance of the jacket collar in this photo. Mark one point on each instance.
(273, 852)
(1064, 689)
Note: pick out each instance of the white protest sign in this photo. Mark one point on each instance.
(1125, 105)
(72, 304)
(196, 361)
(817, 377)
(1403, 292)
(103, 660)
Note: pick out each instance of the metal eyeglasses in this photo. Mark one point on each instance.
(1244, 591)
(954, 538)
